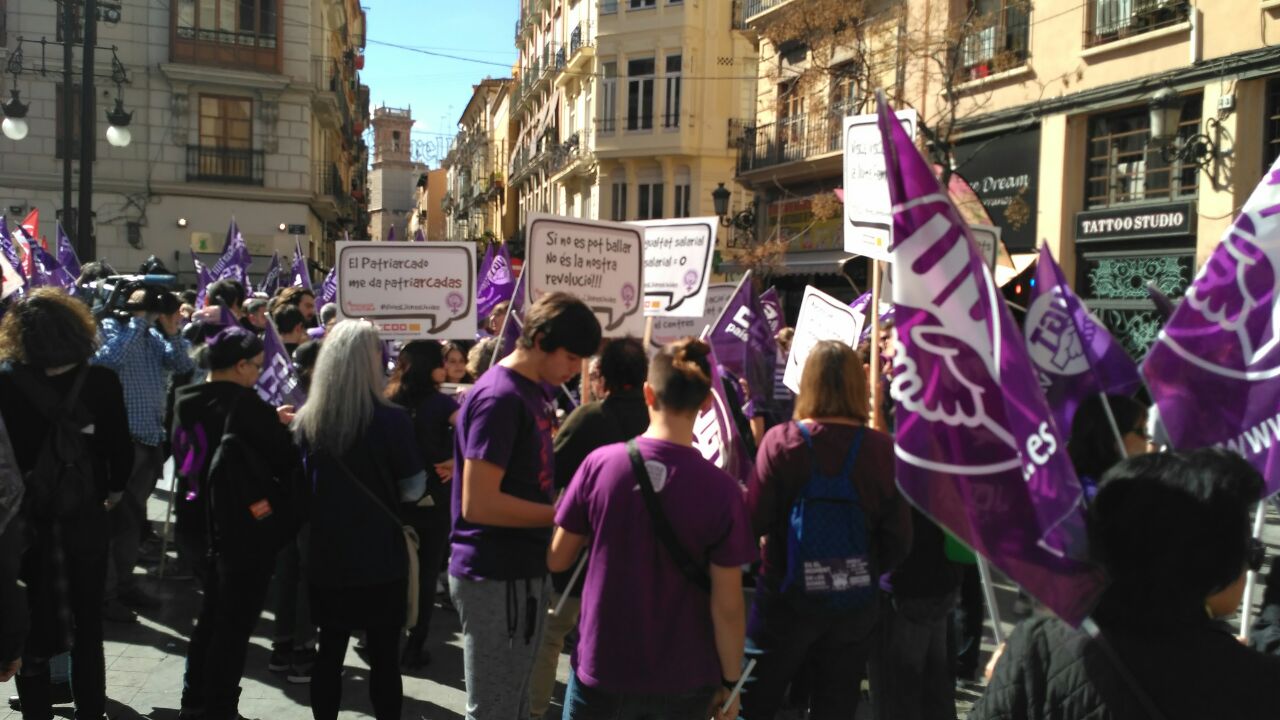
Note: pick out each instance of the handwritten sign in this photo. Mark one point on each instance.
(599, 262)
(670, 329)
(822, 317)
(677, 265)
(868, 211)
(12, 281)
(409, 290)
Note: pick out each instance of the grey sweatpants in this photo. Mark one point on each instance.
(498, 644)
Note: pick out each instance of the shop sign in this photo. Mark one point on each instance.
(1137, 222)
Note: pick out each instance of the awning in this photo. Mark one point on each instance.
(820, 262)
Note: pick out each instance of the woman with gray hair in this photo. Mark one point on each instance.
(361, 462)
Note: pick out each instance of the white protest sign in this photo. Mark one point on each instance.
(822, 317)
(669, 329)
(677, 265)
(988, 239)
(868, 210)
(599, 262)
(13, 282)
(409, 290)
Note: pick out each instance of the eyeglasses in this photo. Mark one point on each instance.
(1256, 555)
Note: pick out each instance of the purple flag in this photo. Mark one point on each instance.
(203, 279)
(772, 308)
(278, 383)
(329, 290)
(497, 285)
(67, 255)
(7, 246)
(482, 278)
(860, 305)
(513, 326)
(1075, 356)
(743, 343)
(715, 434)
(46, 272)
(234, 263)
(271, 281)
(1164, 306)
(301, 273)
(1214, 371)
(391, 234)
(418, 236)
(977, 448)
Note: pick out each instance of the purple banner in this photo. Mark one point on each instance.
(67, 255)
(772, 308)
(301, 273)
(482, 278)
(8, 248)
(234, 262)
(1215, 369)
(513, 326)
(977, 449)
(715, 434)
(418, 236)
(497, 285)
(203, 279)
(271, 281)
(46, 272)
(743, 343)
(277, 384)
(329, 290)
(1075, 356)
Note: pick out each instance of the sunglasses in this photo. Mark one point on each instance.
(1256, 555)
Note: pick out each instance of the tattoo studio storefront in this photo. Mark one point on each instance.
(1122, 249)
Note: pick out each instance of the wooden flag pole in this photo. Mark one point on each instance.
(877, 415)
(648, 332)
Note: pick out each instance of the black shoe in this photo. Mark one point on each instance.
(415, 658)
(281, 658)
(135, 597)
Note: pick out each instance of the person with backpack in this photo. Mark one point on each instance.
(415, 386)
(361, 463)
(823, 497)
(70, 433)
(619, 415)
(503, 485)
(237, 457)
(666, 532)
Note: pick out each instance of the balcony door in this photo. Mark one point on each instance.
(226, 137)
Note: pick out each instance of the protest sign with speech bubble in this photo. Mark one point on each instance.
(677, 265)
(409, 290)
(670, 329)
(822, 317)
(868, 212)
(599, 262)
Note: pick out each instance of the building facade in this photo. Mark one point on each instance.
(626, 110)
(1124, 134)
(393, 179)
(476, 203)
(251, 111)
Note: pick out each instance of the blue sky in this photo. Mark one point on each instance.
(436, 88)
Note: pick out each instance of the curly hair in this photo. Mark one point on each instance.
(47, 329)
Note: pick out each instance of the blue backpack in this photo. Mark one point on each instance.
(828, 548)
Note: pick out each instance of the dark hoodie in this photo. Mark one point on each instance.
(200, 416)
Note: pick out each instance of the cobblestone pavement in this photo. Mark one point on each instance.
(145, 661)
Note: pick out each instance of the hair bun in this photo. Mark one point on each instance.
(691, 358)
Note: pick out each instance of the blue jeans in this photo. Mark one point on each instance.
(586, 703)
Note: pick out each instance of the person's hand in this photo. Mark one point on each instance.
(444, 470)
(286, 414)
(718, 702)
(211, 314)
(10, 669)
(112, 500)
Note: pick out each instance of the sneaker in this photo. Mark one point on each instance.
(138, 598)
(116, 612)
(281, 658)
(299, 673)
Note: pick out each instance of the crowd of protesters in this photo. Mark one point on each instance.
(603, 526)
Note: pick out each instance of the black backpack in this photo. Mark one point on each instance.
(61, 483)
(252, 512)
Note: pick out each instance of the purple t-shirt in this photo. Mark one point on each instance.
(506, 420)
(645, 628)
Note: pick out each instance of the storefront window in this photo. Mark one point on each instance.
(1114, 284)
(1125, 167)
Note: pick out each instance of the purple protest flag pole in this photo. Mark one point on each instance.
(512, 326)
(977, 448)
(271, 281)
(497, 285)
(277, 383)
(301, 274)
(1075, 355)
(67, 257)
(1164, 306)
(418, 236)
(329, 290)
(235, 260)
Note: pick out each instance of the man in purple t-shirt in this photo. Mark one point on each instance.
(651, 639)
(503, 487)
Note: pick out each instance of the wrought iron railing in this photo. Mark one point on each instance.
(225, 165)
(1111, 20)
(790, 140)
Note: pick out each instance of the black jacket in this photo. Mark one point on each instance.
(1191, 669)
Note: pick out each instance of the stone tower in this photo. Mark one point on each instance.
(394, 175)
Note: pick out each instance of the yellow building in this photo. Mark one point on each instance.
(626, 109)
(1125, 134)
(477, 192)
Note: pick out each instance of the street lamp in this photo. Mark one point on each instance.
(118, 126)
(14, 126)
(1165, 108)
(744, 220)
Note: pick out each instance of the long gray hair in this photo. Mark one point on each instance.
(346, 386)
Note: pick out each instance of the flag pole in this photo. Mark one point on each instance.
(877, 416)
(1251, 579)
(989, 591)
(1115, 428)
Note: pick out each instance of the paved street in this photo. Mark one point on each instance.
(145, 661)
